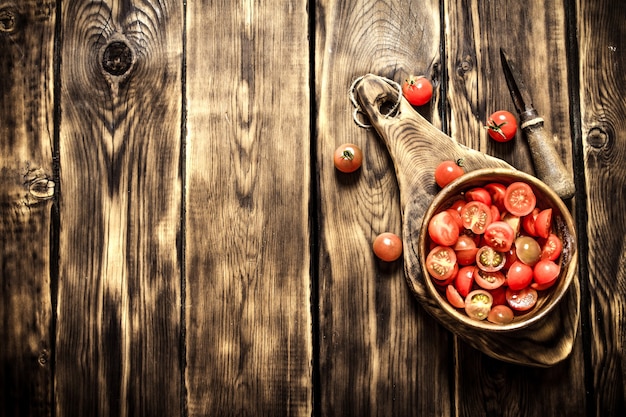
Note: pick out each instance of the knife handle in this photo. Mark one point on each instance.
(548, 163)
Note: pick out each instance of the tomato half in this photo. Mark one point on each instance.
(488, 280)
(478, 304)
(464, 280)
(502, 126)
(417, 90)
(552, 248)
(499, 235)
(543, 223)
(522, 300)
(519, 199)
(490, 260)
(519, 276)
(478, 194)
(443, 229)
(497, 192)
(546, 272)
(441, 262)
(528, 222)
(447, 171)
(348, 157)
(388, 246)
(454, 298)
(476, 216)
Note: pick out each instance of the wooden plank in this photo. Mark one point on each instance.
(601, 44)
(26, 198)
(380, 353)
(248, 273)
(533, 34)
(119, 295)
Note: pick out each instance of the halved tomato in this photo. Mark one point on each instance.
(543, 223)
(476, 216)
(497, 192)
(528, 222)
(465, 248)
(546, 272)
(519, 199)
(499, 235)
(522, 300)
(478, 194)
(490, 260)
(454, 298)
(478, 304)
(488, 280)
(552, 247)
(441, 262)
(464, 280)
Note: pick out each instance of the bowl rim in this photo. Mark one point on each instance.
(508, 176)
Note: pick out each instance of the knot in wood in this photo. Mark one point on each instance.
(9, 20)
(597, 138)
(117, 58)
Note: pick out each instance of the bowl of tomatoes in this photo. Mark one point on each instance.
(497, 249)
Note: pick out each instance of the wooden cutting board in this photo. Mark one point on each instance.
(416, 147)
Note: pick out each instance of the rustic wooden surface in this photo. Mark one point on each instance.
(176, 241)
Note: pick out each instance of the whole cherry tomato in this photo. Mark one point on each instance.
(388, 246)
(443, 229)
(417, 90)
(448, 171)
(502, 126)
(348, 157)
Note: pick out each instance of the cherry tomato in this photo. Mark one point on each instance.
(543, 223)
(502, 126)
(513, 221)
(527, 250)
(443, 229)
(519, 276)
(454, 298)
(551, 248)
(441, 262)
(496, 190)
(500, 314)
(458, 205)
(499, 235)
(521, 300)
(499, 295)
(511, 256)
(546, 272)
(456, 215)
(348, 157)
(464, 280)
(519, 199)
(388, 246)
(476, 216)
(478, 194)
(448, 171)
(478, 304)
(417, 90)
(495, 214)
(528, 222)
(490, 260)
(488, 280)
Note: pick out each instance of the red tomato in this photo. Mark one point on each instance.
(456, 216)
(348, 157)
(478, 194)
(499, 295)
(488, 280)
(495, 213)
(543, 223)
(476, 216)
(458, 205)
(519, 199)
(528, 222)
(441, 262)
(519, 276)
(511, 257)
(448, 171)
(521, 300)
(454, 298)
(388, 246)
(490, 260)
(500, 314)
(497, 191)
(551, 248)
(464, 280)
(478, 304)
(513, 221)
(502, 126)
(546, 272)
(443, 229)
(417, 90)
(527, 250)
(499, 235)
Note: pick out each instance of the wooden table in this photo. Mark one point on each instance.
(177, 242)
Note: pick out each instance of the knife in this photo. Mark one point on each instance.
(548, 163)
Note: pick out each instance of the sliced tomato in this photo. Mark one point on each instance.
(488, 280)
(513, 221)
(551, 248)
(543, 223)
(497, 191)
(546, 272)
(501, 314)
(521, 300)
(476, 216)
(443, 229)
(528, 222)
(519, 276)
(478, 194)
(499, 295)
(495, 214)
(441, 262)
(499, 235)
(458, 205)
(478, 304)
(490, 260)
(464, 280)
(519, 199)
(456, 215)
(454, 298)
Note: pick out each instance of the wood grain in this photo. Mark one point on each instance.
(601, 42)
(119, 299)
(26, 196)
(380, 353)
(534, 35)
(248, 265)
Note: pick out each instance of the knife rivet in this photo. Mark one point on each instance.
(597, 138)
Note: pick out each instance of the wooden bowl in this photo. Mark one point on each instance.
(563, 226)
